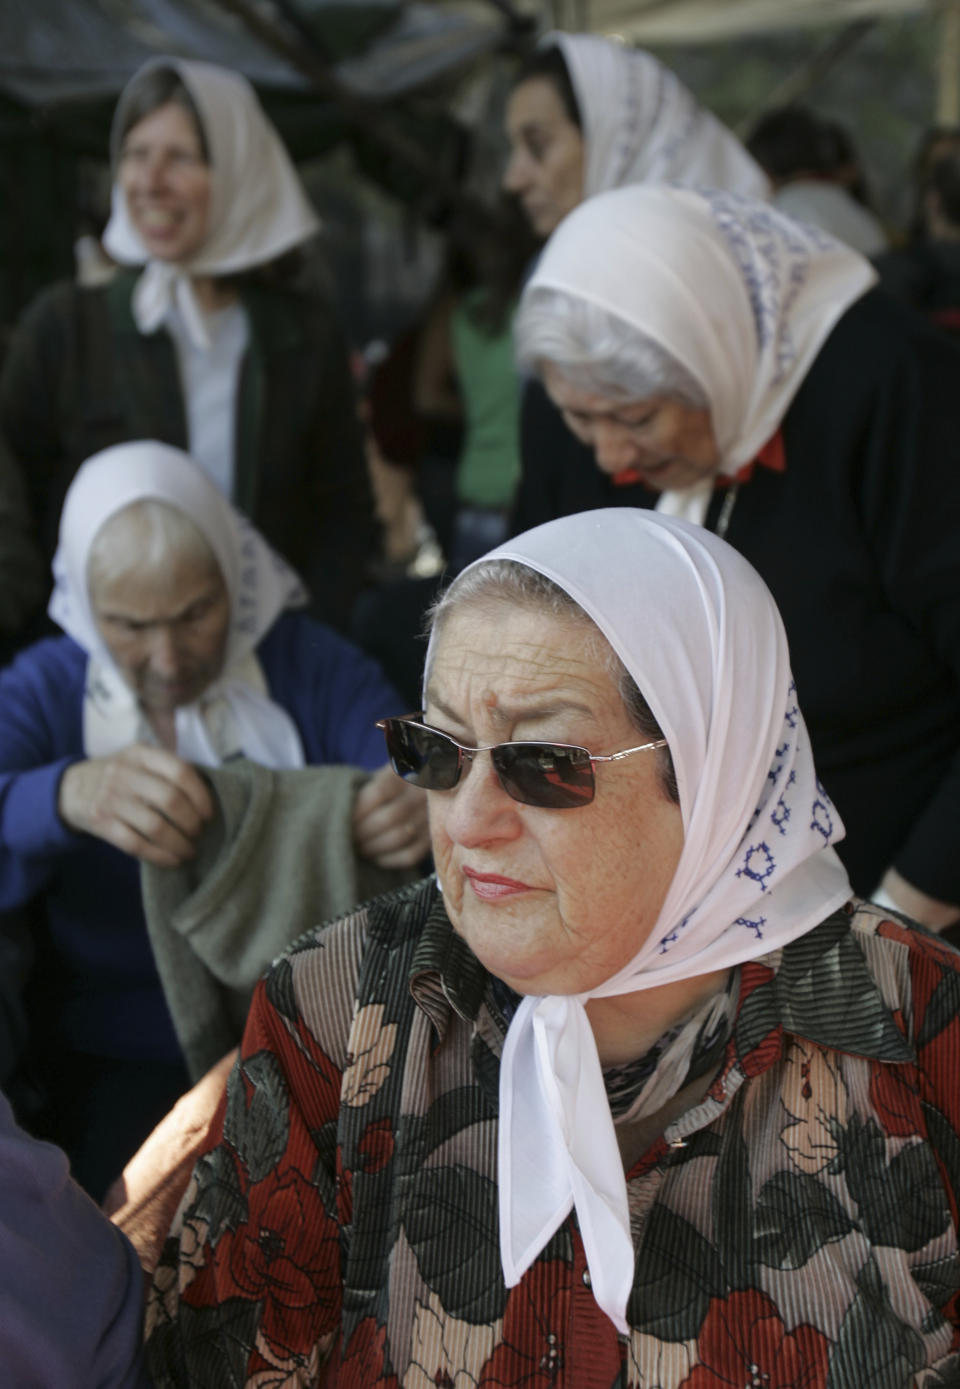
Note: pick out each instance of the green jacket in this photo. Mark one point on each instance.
(79, 376)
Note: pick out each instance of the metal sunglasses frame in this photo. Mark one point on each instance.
(470, 752)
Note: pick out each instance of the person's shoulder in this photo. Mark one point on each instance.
(319, 978)
(54, 663)
(296, 636)
(909, 963)
(393, 920)
(879, 334)
(62, 299)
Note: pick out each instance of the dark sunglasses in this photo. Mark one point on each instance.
(554, 776)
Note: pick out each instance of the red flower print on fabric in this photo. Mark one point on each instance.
(375, 1148)
(743, 1344)
(896, 1103)
(363, 1361)
(286, 1256)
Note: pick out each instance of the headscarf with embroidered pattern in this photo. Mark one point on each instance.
(739, 294)
(699, 632)
(641, 124)
(234, 716)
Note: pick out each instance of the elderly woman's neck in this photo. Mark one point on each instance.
(626, 1026)
(212, 294)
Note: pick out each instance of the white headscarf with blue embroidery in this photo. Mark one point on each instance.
(234, 716)
(699, 632)
(641, 125)
(740, 294)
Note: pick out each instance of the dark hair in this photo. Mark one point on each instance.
(947, 137)
(149, 91)
(943, 179)
(549, 65)
(490, 249)
(159, 86)
(792, 140)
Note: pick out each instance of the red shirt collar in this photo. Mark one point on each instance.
(772, 456)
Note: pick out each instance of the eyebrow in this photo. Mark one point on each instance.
(155, 621)
(510, 714)
(620, 413)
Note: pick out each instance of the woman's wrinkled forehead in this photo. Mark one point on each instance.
(492, 586)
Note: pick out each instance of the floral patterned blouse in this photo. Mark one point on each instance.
(795, 1229)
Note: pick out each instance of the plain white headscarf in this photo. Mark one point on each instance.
(737, 292)
(258, 207)
(641, 124)
(697, 629)
(235, 715)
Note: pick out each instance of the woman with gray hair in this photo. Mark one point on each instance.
(730, 366)
(587, 114)
(633, 1093)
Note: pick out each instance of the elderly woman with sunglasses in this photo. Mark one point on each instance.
(632, 1093)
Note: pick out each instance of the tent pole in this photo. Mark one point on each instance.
(799, 82)
(948, 66)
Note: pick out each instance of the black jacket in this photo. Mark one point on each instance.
(79, 376)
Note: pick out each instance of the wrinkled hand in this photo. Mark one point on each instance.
(390, 821)
(143, 800)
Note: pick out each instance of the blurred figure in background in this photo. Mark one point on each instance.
(926, 273)
(810, 163)
(183, 647)
(587, 114)
(205, 339)
(741, 370)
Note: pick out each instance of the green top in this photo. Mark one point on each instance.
(489, 465)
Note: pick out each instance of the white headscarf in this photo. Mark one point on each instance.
(642, 125)
(258, 207)
(696, 627)
(235, 715)
(737, 292)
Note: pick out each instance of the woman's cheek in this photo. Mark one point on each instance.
(451, 882)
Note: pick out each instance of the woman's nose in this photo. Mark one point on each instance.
(164, 654)
(478, 809)
(515, 175)
(612, 446)
(150, 172)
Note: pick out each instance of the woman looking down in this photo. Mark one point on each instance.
(182, 648)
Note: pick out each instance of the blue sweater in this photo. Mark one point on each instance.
(109, 998)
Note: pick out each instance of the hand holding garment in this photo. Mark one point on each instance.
(277, 859)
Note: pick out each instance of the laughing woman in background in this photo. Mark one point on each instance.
(203, 339)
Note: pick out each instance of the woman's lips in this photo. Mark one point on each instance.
(492, 887)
